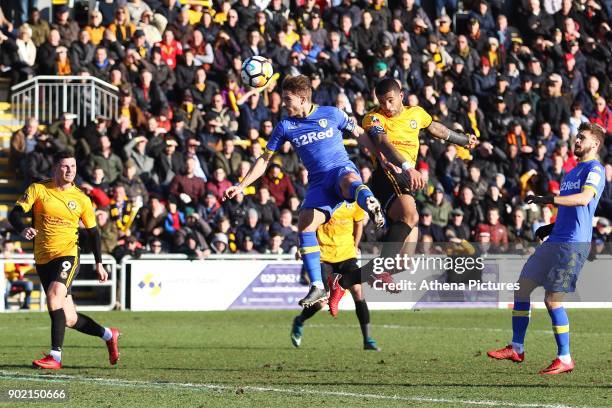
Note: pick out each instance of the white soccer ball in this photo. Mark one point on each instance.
(256, 72)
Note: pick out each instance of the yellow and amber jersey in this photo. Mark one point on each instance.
(55, 215)
(336, 236)
(402, 130)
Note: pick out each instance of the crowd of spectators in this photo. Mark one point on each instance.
(521, 75)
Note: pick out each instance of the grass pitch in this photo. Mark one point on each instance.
(430, 358)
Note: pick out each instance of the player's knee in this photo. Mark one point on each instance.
(552, 304)
(411, 219)
(71, 320)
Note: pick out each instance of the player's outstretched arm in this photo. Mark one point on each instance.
(573, 200)
(16, 219)
(439, 131)
(256, 171)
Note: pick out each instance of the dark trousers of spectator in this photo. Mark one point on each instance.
(27, 287)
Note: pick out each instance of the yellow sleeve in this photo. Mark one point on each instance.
(358, 214)
(372, 119)
(88, 216)
(424, 119)
(28, 198)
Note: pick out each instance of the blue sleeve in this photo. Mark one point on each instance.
(344, 122)
(595, 178)
(277, 138)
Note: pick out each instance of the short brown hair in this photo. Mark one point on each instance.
(596, 131)
(299, 85)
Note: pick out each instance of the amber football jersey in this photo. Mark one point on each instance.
(402, 130)
(56, 214)
(336, 239)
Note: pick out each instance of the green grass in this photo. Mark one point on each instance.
(431, 358)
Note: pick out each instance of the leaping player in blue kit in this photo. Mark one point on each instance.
(315, 132)
(556, 263)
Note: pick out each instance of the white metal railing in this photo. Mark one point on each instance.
(109, 263)
(47, 97)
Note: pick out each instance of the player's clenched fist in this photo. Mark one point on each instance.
(231, 192)
(472, 141)
(416, 179)
(29, 233)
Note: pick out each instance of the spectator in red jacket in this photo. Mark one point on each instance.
(499, 233)
(602, 114)
(218, 184)
(170, 49)
(188, 189)
(279, 184)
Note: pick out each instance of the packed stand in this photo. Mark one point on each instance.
(520, 75)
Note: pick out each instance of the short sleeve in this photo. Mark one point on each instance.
(372, 124)
(88, 216)
(27, 200)
(344, 122)
(594, 179)
(277, 138)
(424, 119)
(358, 214)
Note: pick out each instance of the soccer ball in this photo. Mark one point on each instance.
(256, 71)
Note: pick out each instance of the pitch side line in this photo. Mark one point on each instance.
(7, 375)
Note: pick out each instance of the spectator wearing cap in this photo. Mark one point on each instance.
(437, 54)
(439, 206)
(456, 227)
(67, 28)
(106, 160)
(484, 80)
(573, 81)
(139, 44)
(468, 55)
(181, 27)
(460, 76)
(278, 184)
(427, 227)
(82, 51)
(40, 27)
(236, 210)
(525, 117)
(132, 182)
(317, 31)
(64, 132)
(122, 26)
(254, 229)
(210, 209)
(553, 108)
(503, 89)
(499, 120)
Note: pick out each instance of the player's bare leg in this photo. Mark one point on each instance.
(309, 220)
(87, 325)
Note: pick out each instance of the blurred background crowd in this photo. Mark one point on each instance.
(521, 75)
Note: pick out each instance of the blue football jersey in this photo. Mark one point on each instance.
(316, 138)
(575, 224)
